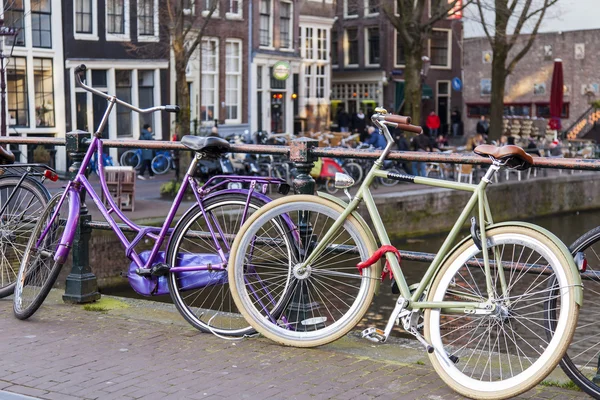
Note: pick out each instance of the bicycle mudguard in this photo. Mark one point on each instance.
(578, 286)
(66, 242)
(377, 267)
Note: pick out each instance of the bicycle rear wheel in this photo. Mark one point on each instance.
(506, 352)
(581, 361)
(39, 270)
(209, 307)
(17, 221)
(160, 164)
(131, 158)
(288, 302)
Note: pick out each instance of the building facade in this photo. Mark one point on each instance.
(34, 75)
(368, 63)
(527, 92)
(122, 44)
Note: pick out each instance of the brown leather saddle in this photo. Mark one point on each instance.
(6, 156)
(511, 156)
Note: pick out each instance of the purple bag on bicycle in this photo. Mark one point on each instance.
(188, 280)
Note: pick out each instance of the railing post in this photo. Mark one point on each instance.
(301, 156)
(81, 285)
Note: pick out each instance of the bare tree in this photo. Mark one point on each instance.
(523, 14)
(414, 23)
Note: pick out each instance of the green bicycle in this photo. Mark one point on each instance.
(480, 311)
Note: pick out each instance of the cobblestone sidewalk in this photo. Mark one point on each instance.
(147, 351)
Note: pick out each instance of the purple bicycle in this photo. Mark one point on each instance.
(193, 268)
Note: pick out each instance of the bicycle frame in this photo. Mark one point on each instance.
(478, 198)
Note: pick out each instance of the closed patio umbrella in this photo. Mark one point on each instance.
(556, 95)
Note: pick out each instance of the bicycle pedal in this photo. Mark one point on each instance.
(160, 269)
(374, 335)
(146, 272)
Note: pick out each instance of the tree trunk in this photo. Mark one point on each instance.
(412, 80)
(497, 96)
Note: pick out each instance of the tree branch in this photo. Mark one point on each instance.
(190, 50)
(483, 23)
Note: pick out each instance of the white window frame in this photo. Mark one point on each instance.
(87, 36)
(367, 46)
(239, 74)
(118, 37)
(270, 45)
(325, 44)
(370, 14)
(206, 8)
(346, 15)
(215, 76)
(291, 44)
(448, 95)
(316, 77)
(449, 65)
(239, 14)
(347, 53)
(396, 51)
(150, 38)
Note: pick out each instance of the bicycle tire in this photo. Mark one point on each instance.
(516, 320)
(160, 164)
(330, 186)
(203, 305)
(16, 224)
(130, 158)
(259, 272)
(36, 279)
(580, 363)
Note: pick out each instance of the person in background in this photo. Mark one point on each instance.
(401, 145)
(214, 132)
(555, 149)
(482, 126)
(375, 138)
(175, 155)
(147, 154)
(343, 120)
(433, 124)
(420, 143)
(441, 142)
(455, 120)
(503, 141)
(532, 146)
(359, 124)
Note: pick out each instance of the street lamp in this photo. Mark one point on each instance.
(425, 64)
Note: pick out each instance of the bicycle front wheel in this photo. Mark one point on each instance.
(160, 164)
(291, 303)
(130, 158)
(581, 361)
(203, 297)
(39, 270)
(17, 221)
(506, 352)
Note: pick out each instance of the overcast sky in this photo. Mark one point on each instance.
(566, 15)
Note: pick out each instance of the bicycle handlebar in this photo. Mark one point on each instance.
(79, 76)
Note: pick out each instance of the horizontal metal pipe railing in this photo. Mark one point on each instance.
(451, 158)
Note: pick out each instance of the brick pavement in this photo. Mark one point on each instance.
(147, 351)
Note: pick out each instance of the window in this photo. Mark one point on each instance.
(234, 8)
(264, 30)
(320, 80)
(83, 16)
(259, 77)
(517, 110)
(123, 88)
(99, 78)
(209, 5)
(352, 41)
(439, 48)
(400, 55)
(477, 110)
(14, 16)
(115, 16)
(210, 76)
(334, 47)
(351, 8)
(322, 44)
(44, 92)
(308, 43)
(41, 35)
(542, 110)
(373, 46)
(285, 25)
(276, 83)
(372, 7)
(146, 95)
(307, 80)
(16, 77)
(233, 80)
(146, 15)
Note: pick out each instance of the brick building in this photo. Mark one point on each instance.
(527, 91)
(368, 63)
